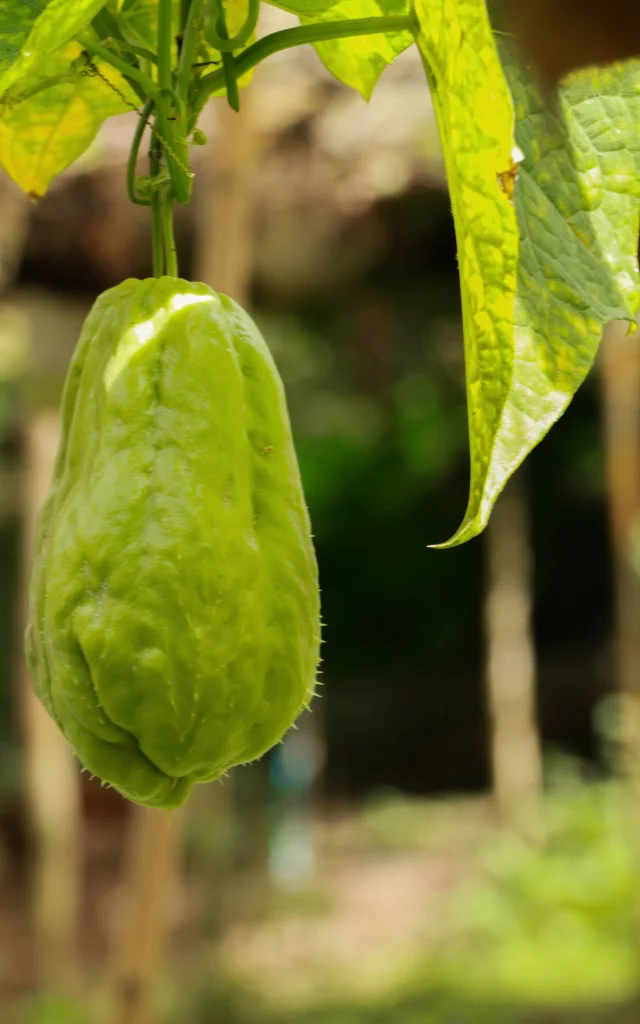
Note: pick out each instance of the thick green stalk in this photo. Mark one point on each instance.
(289, 37)
(174, 145)
(169, 244)
(156, 212)
(185, 9)
(164, 45)
(189, 48)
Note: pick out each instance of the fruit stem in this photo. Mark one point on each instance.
(156, 211)
(169, 244)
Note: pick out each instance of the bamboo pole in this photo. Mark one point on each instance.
(225, 231)
(151, 871)
(515, 745)
(620, 378)
(52, 779)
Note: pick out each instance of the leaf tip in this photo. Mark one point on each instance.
(469, 529)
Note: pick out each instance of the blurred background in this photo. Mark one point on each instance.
(446, 838)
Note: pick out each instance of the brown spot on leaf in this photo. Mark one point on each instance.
(507, 179)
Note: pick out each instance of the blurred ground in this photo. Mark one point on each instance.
(417, 911)
(428, 911)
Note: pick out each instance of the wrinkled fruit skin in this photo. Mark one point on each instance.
(174, 611)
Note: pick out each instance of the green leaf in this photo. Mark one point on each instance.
(50, 110)
(58, 23)
(359, 61)
(475, 118)
(541, 275)
(43, 133)
(138, 20)
(577, 205)
(16, 20)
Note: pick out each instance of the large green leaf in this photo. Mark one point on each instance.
(43, 130)
(577, 205)
(541, 270)
(358, 61)
(475, 118)
(51, 103)
(55, 26)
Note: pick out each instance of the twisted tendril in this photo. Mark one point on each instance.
(222, 42)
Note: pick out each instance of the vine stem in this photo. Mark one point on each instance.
(164, 197)
(143, 85)
(223, 43)
(174, 148)
(135, 50)
(188, 49)
(289, 37)
(164, 45)
(169, 244)
(228, 62)
(185, 9)
(132, 162)
(106, 24)
(156, 211)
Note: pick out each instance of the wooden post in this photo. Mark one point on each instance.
(224, 243)
(515, 745)
(620, 376)
(14, 207)
(151, 870)
(52, 780)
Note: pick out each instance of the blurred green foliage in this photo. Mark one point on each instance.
(557, 919)
(13, 361)
(545, 933)
(382, 442)
(49, 1009)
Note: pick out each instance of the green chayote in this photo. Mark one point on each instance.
(174, 613)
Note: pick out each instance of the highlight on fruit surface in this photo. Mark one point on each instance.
(174, 621)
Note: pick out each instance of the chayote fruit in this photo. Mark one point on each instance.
(174, 613)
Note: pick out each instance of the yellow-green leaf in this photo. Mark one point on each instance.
(42, 134)
(360, 60)
(58, 23)
(546, 206)
(475, 118)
